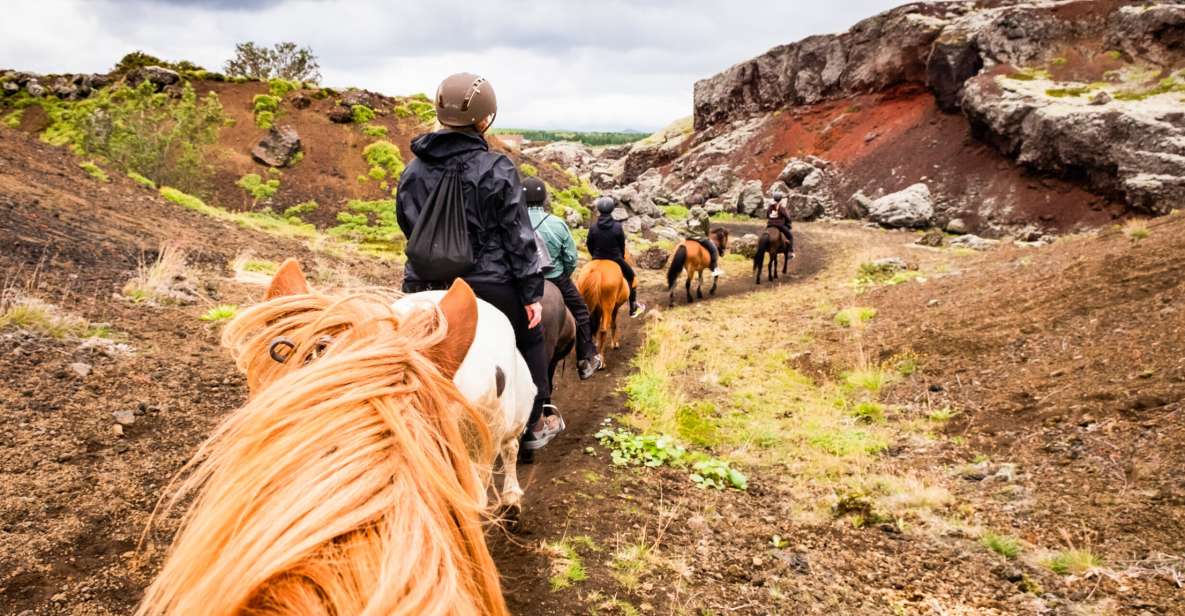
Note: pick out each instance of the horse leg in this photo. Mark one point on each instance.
(512, 493)
(613, 327)
(712, 291)
(699, 288)
(687, 287)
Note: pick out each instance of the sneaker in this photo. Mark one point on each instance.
(549, 426)
(716, 273)
(638, 310)
(588, 367)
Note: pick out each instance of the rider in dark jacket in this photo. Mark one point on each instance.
(606, 240)
(507, 270)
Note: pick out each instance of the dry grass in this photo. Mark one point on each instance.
(21, 311)
(152, 278)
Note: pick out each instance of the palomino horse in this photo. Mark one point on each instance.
(605, 291)
(353, 480)
(693, 258)
(773, 242)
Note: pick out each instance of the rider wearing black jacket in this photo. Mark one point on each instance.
(606, 240)
(507, 270)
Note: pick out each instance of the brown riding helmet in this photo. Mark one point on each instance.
(465, 99)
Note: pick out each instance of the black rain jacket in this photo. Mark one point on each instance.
(504, 249)
(606, 239)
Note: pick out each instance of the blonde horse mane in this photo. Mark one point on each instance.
(345, 485)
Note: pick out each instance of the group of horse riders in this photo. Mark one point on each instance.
(507, 267)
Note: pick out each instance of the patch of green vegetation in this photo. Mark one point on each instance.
(13, 120)
(257, 187)
(265, 220)
(854, 316)
(630, 449)
(372, 224)
(871, 379)
(942, 415)
(94, 171)
(528, 170)
(1137, 232)
(265, 119)
(1114, 54)
(296, 158)
(266, 108)
(567, 567)
(221, 312)
(869, 412)
(1068, 91)
(846, 442)
(873, 274)
(1004, 545)
(141, 180)
(260, 266)
(906, 363)
(161, 137)
(730, 217)
(385, 160)
(573, 197)
(1164, 86)
(587, 138)
(280, 87)
(1058, 62)
(299, 210)
(31, 314)
(676, 212)
(361, 114)
(374, 130)
(1073, 561)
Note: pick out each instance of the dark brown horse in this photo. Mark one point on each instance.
(693, 258)
(559, 328)
(773, 242)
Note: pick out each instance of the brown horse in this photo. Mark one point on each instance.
(604, 289)
(559, 328)
(693, 258)
(773, 242)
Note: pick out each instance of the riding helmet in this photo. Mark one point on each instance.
(534, 191)
(464, 100)
(605, 205)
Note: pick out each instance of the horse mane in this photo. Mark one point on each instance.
(349, 483)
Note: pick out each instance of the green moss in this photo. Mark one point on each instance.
(265, 119)
(141, 180)
(299, 210)
(402, 112)
(374, 130)
(676, 212)
(372, 224)
(257, 187)
(385, 160)
(1029, 74)
(361, 114)
(1114, 54)
(94, 171)
(280, 87)
(1058, 62)
(528, 170)
(1164, 86)
(13, 120)
(296, 158)
(1068, 91)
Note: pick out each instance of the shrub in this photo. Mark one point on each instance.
(279, 87)
(386, 158)
(141, 180)
(265, 102)
(528, 170)
(299, 210)
(424, 110)
(257, 187)
(265, 119)
(138, 129)
(283, 60)
(869, 412)
(13, 120)
(370, 223)
(94, 171)
(374, 130)
(361, 114)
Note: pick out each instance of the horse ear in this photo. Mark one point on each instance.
(459, 306)
(289, 280)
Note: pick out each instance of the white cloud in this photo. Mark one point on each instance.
(574, 64)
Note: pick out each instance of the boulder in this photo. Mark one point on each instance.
(795, 172)
(632, 224)
(158, 76)
(860, 204)
(714, 206)
(11, 87)
(667, 233)
(812, 181)
(278, 147)
(567, 154)
(653, 258)
(354, 96)
(957, 226)
(615, 152)
(745, 245)
(751, 200)
(573, 218)
(912, 208)
(300, 101)
(932, 238)
(973, 242)
(620, 213)
(804, 207)
(35, 89)
(341, 115)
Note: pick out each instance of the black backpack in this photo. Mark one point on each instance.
(439, 248)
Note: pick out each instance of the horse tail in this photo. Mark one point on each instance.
(351, 473)
(590, 290)
(678, 260)
(759, 256)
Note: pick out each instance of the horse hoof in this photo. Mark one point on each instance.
(511, 517)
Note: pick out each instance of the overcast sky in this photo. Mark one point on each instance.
(579, 64)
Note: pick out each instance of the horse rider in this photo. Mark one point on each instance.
(606, 240)
(562, 250)
(778, 217)
(699, 228)
(506, 269)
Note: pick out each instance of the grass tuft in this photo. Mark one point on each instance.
(1073, 561)
(221, 312)
(1004, 545)
(94, 171)
(854, 317)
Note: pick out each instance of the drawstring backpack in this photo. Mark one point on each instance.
(439, 247)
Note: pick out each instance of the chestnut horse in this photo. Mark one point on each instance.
(691, 257)
(605, 291)
(354, 479)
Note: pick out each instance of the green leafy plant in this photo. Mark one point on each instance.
(279, 87)
(374, 130)
(676, 212)
(300, 210)
(372, 224)
(567, 567)
(13, 120)
(361, 114)
(385, 160)
(141, 180)
(221, 312)
(716, 473)
(258, 188)
(629, 449)
(94, 171)
(528, 170)
(855, 316)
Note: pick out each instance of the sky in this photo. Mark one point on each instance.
(554, 64)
